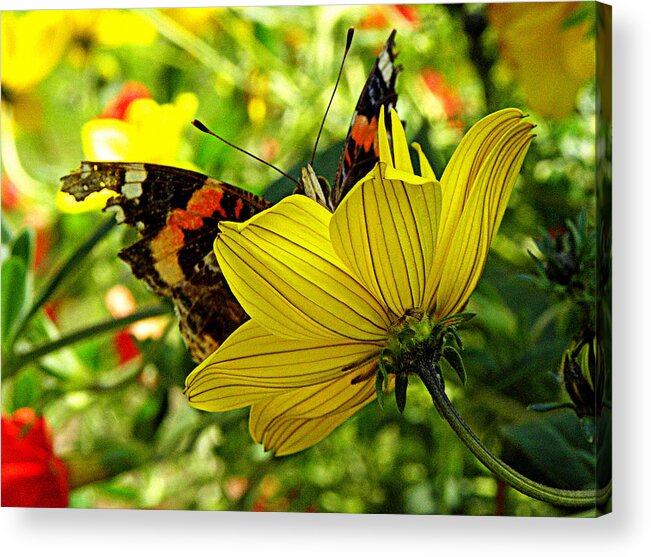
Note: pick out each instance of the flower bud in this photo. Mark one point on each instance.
(582, 373)
(561, 261)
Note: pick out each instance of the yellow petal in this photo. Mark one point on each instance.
(117, 27)
(301, 417)
(385, 231)
(480, 220)
(283, 270)
(108, 139)
(32, 45)
(425, 167)
(391, 173)
(402, 160)
(383, 140)
(290, 435)
(143, 111)
(460, 173)
(254, 364)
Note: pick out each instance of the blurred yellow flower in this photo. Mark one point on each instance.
(32, 45)
(328, 294)
(201, 21)
(148, 132)
(109, 27)
(549, 56)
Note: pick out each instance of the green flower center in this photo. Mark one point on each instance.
(409, 331)
(415, 342)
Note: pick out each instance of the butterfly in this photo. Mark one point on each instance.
(177, 212)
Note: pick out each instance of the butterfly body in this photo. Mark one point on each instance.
(177, 213)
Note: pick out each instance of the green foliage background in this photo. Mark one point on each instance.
(127, 433)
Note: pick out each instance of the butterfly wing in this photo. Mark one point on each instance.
(360, 151)
(176, 213)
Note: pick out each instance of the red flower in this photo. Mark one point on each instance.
(10, 194)
(31, 475)
(117, 106)
(390, 15)
(410, 13)
(125, 346)
(436, 84)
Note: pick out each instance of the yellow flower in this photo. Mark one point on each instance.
(150, 132)
(110, 28)
(32, 45)
(550, 58)
(329, 293)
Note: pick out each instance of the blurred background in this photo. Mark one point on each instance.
(102, 421)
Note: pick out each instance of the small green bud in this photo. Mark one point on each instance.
(582, 374)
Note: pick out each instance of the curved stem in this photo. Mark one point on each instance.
(102, 327)
(561, 497)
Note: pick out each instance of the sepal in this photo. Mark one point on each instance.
(453, 358)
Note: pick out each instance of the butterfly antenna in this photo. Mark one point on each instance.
(201, 127)
(349, 40)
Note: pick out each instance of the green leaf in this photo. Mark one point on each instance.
(7, 234)
(27, 390)
(456, 362)
(454, 320)
(379, 392)
(584, 12)
(117, 456)
(451, 337)
(68, 267)
(552, 450)
(23, 246)
(548, 406)
(150, 416)
(14, 295)
(588, 427)
(402, 380)
(381, 379)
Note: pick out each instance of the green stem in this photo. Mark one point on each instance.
(64, 271)
(108, 325)
(560, 497)
(131, 374)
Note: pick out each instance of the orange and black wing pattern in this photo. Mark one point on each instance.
(360, 151)
(176, 213)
